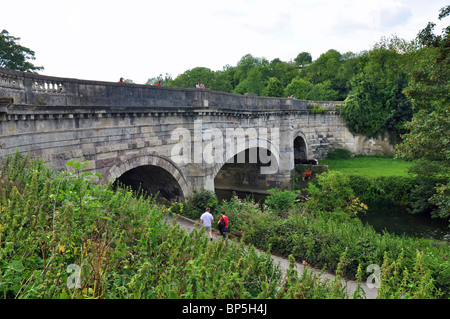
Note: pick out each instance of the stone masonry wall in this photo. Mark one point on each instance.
(117, 127)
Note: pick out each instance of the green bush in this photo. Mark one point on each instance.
(331, 192)
(339, 153)
(318, 110)
(397, 189)
(198, 202)
(384, 190)
(280, 201)
(441, 199)
(428, 176)
(368, 190)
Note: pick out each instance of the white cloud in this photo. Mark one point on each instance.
(368, 16)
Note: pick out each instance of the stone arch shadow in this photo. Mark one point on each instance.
(241, 147)
(160, 161)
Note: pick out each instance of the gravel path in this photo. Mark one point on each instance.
(371, 293)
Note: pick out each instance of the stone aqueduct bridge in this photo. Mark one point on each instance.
(129, 132)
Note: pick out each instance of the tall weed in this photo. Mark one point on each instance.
(62, 236)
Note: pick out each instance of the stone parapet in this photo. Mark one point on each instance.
(46, 91)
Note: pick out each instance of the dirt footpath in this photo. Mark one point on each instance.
(371, 293)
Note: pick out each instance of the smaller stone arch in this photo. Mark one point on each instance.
(154, 160)
(300, 148)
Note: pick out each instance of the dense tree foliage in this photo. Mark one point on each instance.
(15, 56)
(376, 102)
(428, 91)
(428, 131)
(371, 82)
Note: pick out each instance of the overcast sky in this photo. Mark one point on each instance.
(138, 40)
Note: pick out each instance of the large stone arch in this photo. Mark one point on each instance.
(247, 178)
(142, 160)
(243, 146)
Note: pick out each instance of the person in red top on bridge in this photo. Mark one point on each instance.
(223, 225)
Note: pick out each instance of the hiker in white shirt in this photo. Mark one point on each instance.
(206, 219)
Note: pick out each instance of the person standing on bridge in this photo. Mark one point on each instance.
(223, 225)
(206, 220)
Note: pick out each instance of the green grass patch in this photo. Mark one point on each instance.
(369, 166)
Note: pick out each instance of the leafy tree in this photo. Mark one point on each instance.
(324, 68)
(363, 110)
(199, 201)
(376, 102)
(190, 77)
(247, 63)
(334, 68)
(15, 56)
(324, 92)
(350, 64)
(252, 83)
(303, 58)
(300, 88)
(283, 71)
(428, 92)
(274, 88)
(428, 136)
(223, 80)
(400, 109)
(252, 75)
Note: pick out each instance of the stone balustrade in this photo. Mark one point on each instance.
(30, 89)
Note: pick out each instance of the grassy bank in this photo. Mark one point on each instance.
(369, 166)
(421, 186)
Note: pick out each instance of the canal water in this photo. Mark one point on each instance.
(392, 219)
(397, 220)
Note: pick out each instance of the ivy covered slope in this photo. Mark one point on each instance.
(61, 236)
